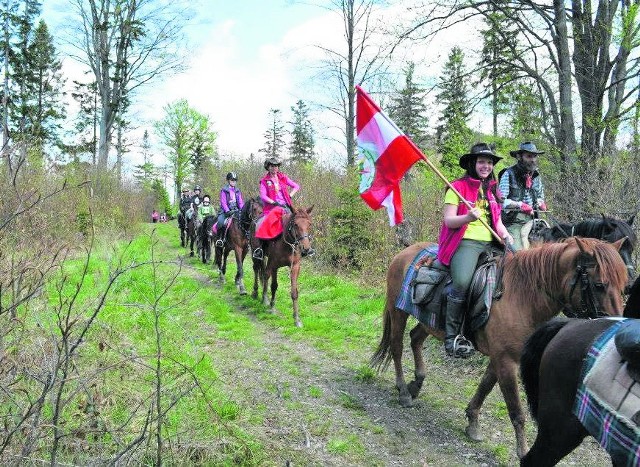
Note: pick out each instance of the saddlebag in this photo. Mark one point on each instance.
(426, 282)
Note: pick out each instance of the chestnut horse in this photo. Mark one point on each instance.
(552, 370)
(287, 249)
(235, 238)
(538, 283)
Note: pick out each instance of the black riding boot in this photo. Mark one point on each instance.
(455, 344)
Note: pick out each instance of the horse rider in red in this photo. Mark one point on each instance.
(276, 201)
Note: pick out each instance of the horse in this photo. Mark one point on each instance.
(552, 372)
(235, 238)
(190, 233)
(285, 250)
(537, 283)
(182, 225)
(204, 238)
(605, 228)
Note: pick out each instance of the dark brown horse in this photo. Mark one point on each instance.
(189, 233)
(285, 250)
(538, 283)
(235, 237)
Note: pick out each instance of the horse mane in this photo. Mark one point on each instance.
(538, 267)
(604, 228)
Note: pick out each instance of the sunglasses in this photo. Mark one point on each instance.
(206, 202)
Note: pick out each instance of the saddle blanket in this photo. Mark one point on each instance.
(480, 298)
(608, 400)
(271, 225)
(227, 222)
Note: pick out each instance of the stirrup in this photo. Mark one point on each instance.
(219, 243)
(257, 254)
(462, 347)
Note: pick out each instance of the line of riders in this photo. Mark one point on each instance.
(507, 203)
(276, 202)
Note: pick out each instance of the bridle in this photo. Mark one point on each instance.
(293, 241)
(589, 305)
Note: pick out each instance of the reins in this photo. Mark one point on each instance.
(295, 242)
(589, 306)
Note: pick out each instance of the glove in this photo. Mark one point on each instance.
(542, 206)
(524, 207)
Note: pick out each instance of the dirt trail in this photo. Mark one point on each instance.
(313, 410)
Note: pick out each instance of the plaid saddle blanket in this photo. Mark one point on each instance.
(433, 314)
(608, 400)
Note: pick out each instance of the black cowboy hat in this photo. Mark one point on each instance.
(479, 149)
(271, 161)
(527, 146)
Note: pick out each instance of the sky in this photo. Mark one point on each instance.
(246, 57)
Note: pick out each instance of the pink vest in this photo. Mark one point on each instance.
(271, 190)
(450, 238)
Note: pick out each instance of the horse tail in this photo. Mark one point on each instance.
(531, 358)
(382, 357)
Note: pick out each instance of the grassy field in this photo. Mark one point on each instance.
(168, 365)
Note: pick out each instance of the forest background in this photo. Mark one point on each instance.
(563, 74)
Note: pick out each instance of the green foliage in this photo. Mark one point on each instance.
(454, 134)
(348, 216)
(302, 144)
(408, 109)
(274, 136)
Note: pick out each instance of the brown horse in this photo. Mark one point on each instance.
(538, 283)
(235, 238)
(285, 250)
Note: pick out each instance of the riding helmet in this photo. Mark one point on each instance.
(197, 187)
(232, 176)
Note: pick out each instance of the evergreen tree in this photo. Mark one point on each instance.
(408, 109)
(274, 136)
(85, 129)
(302, 140)
(526, 119)
(146, 172)
(499, 44)
(454, 134)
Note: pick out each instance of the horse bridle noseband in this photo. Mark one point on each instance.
(589, 305)
(289, 230)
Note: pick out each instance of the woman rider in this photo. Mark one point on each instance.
(275, 200)
(230, 201)
(463, 237)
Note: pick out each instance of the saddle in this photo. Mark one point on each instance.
(432, 283)
(627, 342)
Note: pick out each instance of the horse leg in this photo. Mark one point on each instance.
(506, 370)
(257, 276)
(218, 262)
(182, 238)
(472, 411)
(418, 335)
(398, 325)
(558, 435)
(239, 271)
(295, 271)
(274, 287)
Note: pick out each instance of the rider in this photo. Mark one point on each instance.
(522, 189)
(230, 201)
(204, 209)
(184, 206)
(463, 237)
(276, 200)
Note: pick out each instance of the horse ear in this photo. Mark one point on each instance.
(618, 243)
(630, 221)
(580, 244)
(310, 209)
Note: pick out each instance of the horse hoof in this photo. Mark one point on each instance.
(191, 254)
(298, 324)
(406, 401)
(473, 433)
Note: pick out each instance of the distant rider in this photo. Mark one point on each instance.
(230, 200)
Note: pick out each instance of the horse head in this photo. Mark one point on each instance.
(615, 229)
(297, 231)
(598, 278)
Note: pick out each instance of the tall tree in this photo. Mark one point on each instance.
(204, 144)
(496, 73)
(574, 50)
(85, 130)
(362, 58)
(274, 136)
(454, 132)
(126, 44)
(408, 109)
(182, 132)
(302, 134)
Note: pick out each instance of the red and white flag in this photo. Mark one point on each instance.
(386, 154)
